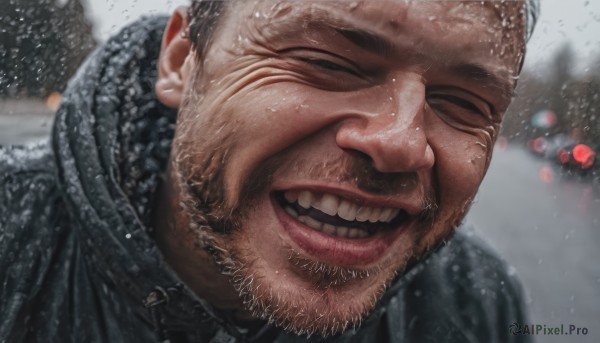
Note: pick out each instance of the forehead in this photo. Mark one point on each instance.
(435, 28)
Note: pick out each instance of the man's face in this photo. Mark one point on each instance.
(323, 146)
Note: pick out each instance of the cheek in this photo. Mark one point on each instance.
(462, 158)
(259, 122)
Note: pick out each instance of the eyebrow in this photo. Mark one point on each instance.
(368, 41)
(474, 72)
(481, 75)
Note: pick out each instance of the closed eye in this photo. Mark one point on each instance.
(457, 101)
(328, 65)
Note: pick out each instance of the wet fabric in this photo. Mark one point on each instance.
(77, 262)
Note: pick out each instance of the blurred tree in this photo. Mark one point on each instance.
(42, 43)
(545, 88)
(574, 97)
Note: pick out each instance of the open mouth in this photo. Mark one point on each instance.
(339, 217)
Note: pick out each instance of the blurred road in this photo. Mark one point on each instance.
(24, 121)
(545, 225)
(548, 228)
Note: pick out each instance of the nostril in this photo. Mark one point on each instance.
(359, 155)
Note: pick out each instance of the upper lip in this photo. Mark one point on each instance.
(359, 197)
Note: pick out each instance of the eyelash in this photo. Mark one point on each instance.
(459, 102)
(328, 65)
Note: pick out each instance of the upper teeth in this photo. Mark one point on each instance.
(332, 205)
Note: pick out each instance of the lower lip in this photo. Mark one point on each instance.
(336, 251)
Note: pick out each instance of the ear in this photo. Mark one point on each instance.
(175, 48)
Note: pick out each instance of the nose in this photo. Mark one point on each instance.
(393, 135)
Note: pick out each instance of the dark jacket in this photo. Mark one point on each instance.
(77, 263)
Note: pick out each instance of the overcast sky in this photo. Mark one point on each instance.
(577, 21)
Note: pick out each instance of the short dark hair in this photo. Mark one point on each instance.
(204, 16)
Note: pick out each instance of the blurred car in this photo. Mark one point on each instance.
(548, 147)
(578, 157)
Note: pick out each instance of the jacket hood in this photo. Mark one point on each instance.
(111, 139)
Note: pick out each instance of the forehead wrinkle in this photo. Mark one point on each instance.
(374, 37)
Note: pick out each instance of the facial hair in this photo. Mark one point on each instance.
(217, 223)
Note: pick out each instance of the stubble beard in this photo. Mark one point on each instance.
(219, 230)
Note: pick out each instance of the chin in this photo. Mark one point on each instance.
(305, 280)
(308, 297)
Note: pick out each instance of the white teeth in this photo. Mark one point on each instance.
(305, 199)
(328, 204)
(315, 224)
(363, 214)
(347, 210)
(375, 214)
(291, 196)
(341, 231)
(353, 233)
(291, 211)
(385, 213)
(337, 231)
(329, 229)
(333, 205)
(393, 214)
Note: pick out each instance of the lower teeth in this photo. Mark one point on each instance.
(336, 231)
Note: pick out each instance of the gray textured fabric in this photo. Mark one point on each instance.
(78, 264)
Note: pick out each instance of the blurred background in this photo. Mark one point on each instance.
(539, 205)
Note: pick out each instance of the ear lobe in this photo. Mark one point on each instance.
(174, 50)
